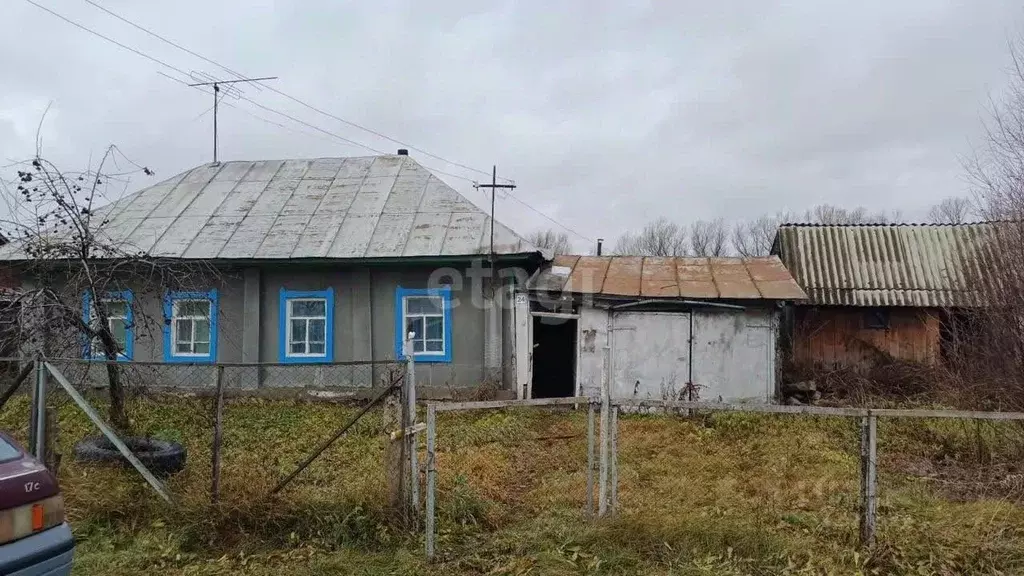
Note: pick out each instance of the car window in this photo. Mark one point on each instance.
(8, 451)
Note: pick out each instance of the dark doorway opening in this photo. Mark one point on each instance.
(554, 357)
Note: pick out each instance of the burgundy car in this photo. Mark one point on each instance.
(34, 538)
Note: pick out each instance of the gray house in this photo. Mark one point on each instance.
(322, 262)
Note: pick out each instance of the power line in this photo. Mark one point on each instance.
(183, 73)
(288, 96)
(549, 218)
(107, 38)
(288, 116)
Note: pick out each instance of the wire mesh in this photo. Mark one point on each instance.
(237, 377)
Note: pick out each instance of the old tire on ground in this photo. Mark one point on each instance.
(160, 456)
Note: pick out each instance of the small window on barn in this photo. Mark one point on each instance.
(426, 314)
(190, 326)
(306, 326)
(876, 319)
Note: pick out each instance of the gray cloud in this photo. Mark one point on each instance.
(606, 114)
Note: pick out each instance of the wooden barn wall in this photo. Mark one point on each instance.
(837, 337)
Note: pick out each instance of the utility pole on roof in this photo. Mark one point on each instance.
(494, 187)
(216, 93)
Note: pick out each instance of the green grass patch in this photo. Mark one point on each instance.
(714, 494)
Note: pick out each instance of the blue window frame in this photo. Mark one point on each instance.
(306, 331)
(190, 326)
(121, 322)
(426, 312)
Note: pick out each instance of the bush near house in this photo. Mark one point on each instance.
(714, 494)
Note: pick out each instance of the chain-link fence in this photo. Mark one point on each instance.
(205, 435)
(341, 377)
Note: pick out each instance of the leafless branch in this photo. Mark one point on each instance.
(69, 266)
(952, 210)
(659, 238)
(709, 238)
(557, 242)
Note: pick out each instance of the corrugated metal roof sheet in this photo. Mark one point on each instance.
(338, 208)
(686, 278)
(924, 265)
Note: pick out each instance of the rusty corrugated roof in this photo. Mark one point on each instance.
(925, 265)
(656, 277)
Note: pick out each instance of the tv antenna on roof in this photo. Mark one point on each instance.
(230, 90)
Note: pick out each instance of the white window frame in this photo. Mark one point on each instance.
(175, 316)
(406, 315)
(96, 345)
(288, 323)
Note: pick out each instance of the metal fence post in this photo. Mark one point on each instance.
(590, 459)
(614, 440)
(869, 478)
(39, 410)
(218, 418)
(33, 410)
(602, 482)
(410, 439)
(431, 495)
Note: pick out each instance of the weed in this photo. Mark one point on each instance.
(712, 494)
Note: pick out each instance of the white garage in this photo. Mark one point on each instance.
(661, 328)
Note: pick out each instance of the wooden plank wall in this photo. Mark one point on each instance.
(837, 337)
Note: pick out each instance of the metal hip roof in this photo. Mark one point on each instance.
(336, 208)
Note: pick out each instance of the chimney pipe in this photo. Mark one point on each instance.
(599, 242)
(403, 152)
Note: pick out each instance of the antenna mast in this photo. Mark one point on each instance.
(216, 93)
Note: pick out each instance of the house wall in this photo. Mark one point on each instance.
(837, 337)
(149, 339)
(733, 357)
(363, 322)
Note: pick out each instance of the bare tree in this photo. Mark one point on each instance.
(988, 343)
(73, 271)
(709, 238)
(837, 215)
(558, 243)
(659, 238)
(755, 237)
(952, 210)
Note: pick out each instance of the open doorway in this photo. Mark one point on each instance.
(554, 357)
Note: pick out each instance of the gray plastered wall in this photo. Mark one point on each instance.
(363, 324)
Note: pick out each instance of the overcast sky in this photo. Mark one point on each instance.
(606, 114)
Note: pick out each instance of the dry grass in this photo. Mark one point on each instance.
(722, 494)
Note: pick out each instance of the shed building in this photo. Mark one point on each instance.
(877, 292)
(653, 328)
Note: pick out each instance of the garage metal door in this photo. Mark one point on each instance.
(650, 355)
